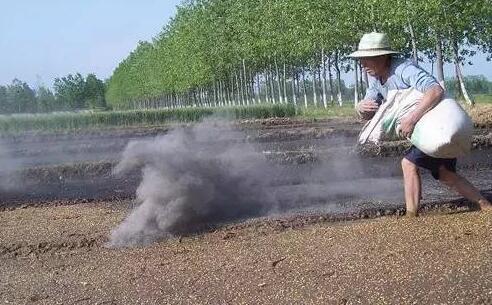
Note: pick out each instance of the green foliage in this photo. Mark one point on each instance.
(69, 91)
(72, 92)
(237, 52)
(46, 100)
(209, 41)
(17, 97)
(4, 108)
(94, 92)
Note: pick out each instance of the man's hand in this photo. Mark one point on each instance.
(431, 97)
(407, 125)
(367, 108)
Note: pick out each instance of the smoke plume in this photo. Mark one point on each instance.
(192, 179)
(8, 169)
(199, 177)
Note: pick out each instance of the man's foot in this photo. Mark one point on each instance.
(484, 205)
(411, 214)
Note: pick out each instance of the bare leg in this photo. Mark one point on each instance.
(463, 187)
(413, 186)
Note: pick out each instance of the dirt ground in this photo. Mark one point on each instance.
(57, 255)
(54, 229)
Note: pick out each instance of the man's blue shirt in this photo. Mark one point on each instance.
(404, 74)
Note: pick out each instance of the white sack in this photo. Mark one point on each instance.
(443, 132)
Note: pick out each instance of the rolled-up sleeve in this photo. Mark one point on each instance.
(417, 78)
(372, 91)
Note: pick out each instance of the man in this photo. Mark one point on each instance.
(390, 73)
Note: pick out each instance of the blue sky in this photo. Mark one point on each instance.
(41, 40)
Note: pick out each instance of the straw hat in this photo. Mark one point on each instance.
(373, 44)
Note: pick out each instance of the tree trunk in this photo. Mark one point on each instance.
(223, 93)
(251, 86)
(440, 63)
(323, 65)
(415, 58)
(278, 81)
(294, 96)
(356, 84)
(203, 97)
(245, 83)
(284, 81)
(219, 94)
(232, 94)
(361, 81)
(366, 82)
(298, 85)
(241, 86)
(339, 80)
(459, 75)
(208, 100)
(238, 89)
(267, 87)
(330, 81)
(304, 87)
(315, 98)
(215, 94)
(272, 86)
(199, 97)
(258, 87)
(255, 97)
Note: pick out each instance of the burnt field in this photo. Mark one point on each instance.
(317, 158)
(278, 228)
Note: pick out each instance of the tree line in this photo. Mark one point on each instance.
(71, 92)
(229, 52)
(475, 84)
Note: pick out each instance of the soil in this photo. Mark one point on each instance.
(57, 255)
(59, 201)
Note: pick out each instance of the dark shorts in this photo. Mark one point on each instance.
(417, 157)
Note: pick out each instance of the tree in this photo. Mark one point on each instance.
(94, 92)
(45, 99)
(70, 92)
(235, 51)
(4, 108)
(476, 84)
(20, 98)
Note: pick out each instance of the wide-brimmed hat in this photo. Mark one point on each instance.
(373, 44)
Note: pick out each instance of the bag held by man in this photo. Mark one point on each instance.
(445, 131)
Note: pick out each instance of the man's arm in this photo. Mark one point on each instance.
(432, 97)
(416, 77)
(368, 106)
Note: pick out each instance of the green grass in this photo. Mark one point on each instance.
(67, 121)
(347, 110)
(483, 98)
(71, 121)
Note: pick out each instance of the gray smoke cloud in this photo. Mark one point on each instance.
(203, 176)
(192, 179)
(8, 169)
